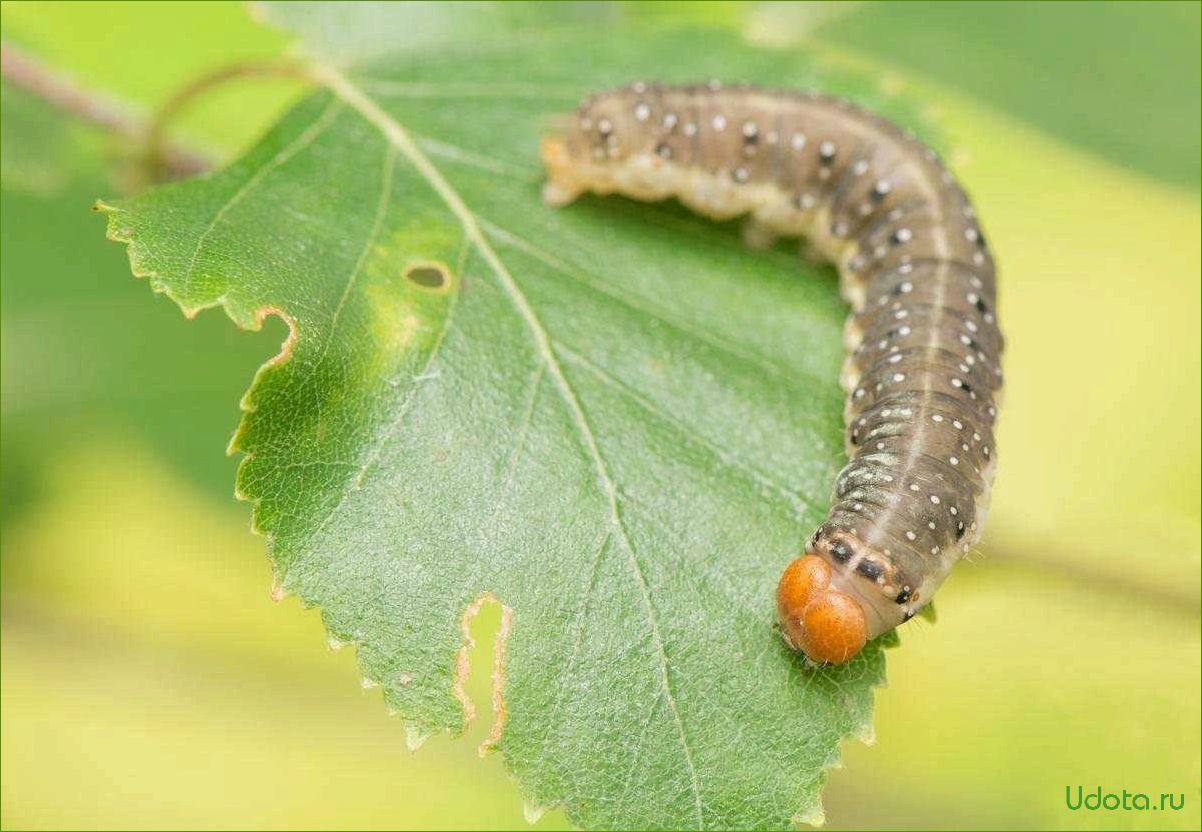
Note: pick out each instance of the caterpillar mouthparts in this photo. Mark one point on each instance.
(924, 348)
(828, 625)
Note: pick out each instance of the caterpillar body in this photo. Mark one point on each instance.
(922, 372)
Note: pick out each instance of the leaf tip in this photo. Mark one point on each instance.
(813, 816)
(532, 812)
(865, 732)
(415, 737)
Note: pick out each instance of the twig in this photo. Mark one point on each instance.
(22, 70)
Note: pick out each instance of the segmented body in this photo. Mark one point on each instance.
(923, 368)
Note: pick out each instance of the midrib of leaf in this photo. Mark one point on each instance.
(657, 413)
(796, 498)
(662, 315)
(397, 136)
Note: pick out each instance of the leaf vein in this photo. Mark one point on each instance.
(798, 502)
(306, 138)
(397, 134)
(594, 282)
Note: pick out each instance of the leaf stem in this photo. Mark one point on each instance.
(158, 150)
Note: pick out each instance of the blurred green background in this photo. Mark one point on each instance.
(149, 682)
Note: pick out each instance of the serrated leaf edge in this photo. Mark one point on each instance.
(116, 233)
(399, 139)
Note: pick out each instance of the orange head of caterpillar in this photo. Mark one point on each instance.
(824, 623)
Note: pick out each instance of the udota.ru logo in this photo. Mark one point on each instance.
(1128, 801)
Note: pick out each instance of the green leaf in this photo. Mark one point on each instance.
(612, 419)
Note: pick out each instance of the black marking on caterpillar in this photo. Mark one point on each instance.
(923, 369)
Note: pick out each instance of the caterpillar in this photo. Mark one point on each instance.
(922, 372)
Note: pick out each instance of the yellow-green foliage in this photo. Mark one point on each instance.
(150, 682)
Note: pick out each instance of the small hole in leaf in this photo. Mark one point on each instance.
(428, 275)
